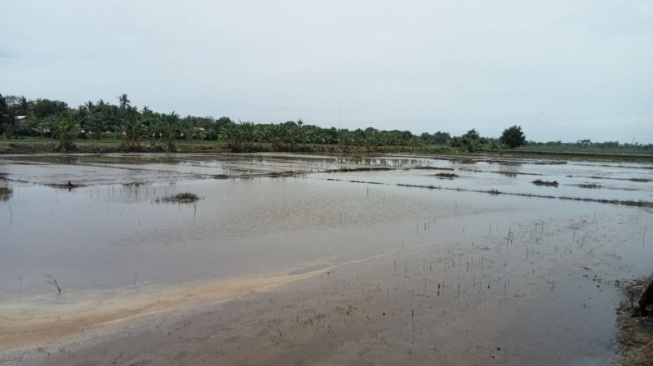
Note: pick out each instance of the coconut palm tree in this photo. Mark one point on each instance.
(23, 106)
(124, 101)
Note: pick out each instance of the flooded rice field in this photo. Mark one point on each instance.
(291, 259)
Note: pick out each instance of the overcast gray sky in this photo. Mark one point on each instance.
(562, 69)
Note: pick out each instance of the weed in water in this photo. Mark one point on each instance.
(446, 175)
(547, 183)
(590, 186)
(53, 282)
(185, 197)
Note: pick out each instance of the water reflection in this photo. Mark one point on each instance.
(6, 193)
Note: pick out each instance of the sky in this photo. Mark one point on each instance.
(562, 69)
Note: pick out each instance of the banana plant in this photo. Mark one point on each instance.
(66, 130)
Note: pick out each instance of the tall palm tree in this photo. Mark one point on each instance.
(23, 106)
(124, 101)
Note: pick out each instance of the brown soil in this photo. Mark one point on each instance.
(392, 309)
(635, 331)
(24, 327)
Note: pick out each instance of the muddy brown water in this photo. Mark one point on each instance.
(386, 273)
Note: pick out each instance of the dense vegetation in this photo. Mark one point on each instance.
(139, 129)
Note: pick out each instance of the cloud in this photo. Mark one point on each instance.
(418, 65)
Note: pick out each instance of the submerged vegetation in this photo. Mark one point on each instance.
(69, 186)
(446, 175)
(185, 197)
(358, 169)
(590, 185)
(546, 183)
(431, 168)
(134, 184)
(496, 192)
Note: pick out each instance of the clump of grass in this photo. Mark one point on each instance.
(590, 185)
(549, 162)
(547, 183)
(134, 184)
(635, 333)
(185, 197)
(513, 174)
(639, 347)
(446, 175)
(430, 168)
(358, 169)
(639, 203)
(69, 186)
(288, 173)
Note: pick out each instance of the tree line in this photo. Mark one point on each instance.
(138, 127)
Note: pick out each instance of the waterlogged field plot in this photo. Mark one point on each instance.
(287, 259)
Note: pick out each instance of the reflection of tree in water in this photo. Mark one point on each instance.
(5, 193)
